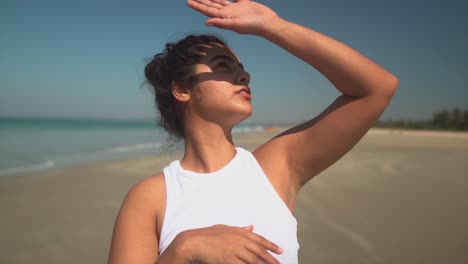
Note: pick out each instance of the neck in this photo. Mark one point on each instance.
(208, 147)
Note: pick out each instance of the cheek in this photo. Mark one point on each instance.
(212, 91)
(204, 97)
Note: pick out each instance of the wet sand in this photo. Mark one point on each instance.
(397, 197)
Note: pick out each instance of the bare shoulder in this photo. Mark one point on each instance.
(270, 155)
(272, 158)
(148, 196)
(152, 187)
(135, 233)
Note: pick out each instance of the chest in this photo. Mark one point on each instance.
(235, 201)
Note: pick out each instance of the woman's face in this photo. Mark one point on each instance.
(221, 93)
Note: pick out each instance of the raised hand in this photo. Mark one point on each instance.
(241, 16)
(228, 244)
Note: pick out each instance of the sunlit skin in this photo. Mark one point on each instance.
(289, 160)
(220, 99)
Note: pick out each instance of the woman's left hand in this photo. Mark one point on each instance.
(241, 16)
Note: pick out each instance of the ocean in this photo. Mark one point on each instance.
(35, 144)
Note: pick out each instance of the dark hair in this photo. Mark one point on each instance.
(175, 64)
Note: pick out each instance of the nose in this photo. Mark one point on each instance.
(244, 78)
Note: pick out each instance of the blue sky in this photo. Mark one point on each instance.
(86, 58)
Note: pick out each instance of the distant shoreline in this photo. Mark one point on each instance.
(395, 131)
(419, 132)
(151, 148)
(6, 121)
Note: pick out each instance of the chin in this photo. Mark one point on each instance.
(233, 115)
(245, 114)
(246, 110)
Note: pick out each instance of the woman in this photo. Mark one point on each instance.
(222, 204)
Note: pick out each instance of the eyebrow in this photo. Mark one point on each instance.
(228, 58)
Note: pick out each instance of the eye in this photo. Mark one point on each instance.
(224, 66)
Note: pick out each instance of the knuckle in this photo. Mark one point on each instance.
(269, 259)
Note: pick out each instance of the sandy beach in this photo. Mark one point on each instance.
(398, 197)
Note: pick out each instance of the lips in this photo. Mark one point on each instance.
(244, 90)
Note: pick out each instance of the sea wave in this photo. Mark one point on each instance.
(29, 168)
(93, 149)
(84, 158)
(244, 129)
(136, 147)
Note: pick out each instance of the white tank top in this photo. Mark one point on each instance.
(239, 194)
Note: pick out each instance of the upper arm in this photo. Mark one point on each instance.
(304, 151)
(135, 238)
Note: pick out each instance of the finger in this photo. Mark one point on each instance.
(210, 3)
(204, 9)
(267, 244)
(248, 257)
(225, 23)
(248, 228)
(262, 253)
(222, 2)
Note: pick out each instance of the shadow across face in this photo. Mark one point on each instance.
(219, 63)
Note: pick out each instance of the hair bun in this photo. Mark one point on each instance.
(175, 63)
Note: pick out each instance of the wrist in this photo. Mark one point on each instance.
(183, 248)
(178, 252)
(273, 28)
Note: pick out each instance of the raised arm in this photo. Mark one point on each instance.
(366, 90)
(297, 155)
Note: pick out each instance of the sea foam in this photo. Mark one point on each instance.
(29, 168)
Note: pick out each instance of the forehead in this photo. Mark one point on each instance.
(215, 50)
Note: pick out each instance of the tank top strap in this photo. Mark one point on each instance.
(265, 181)
(173, 188)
